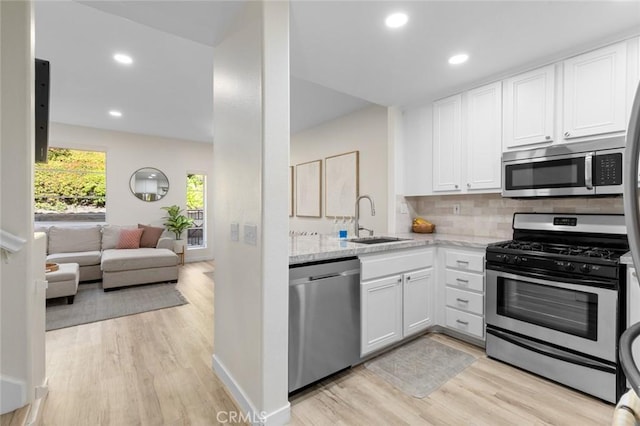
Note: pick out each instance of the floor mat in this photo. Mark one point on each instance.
(420, 367)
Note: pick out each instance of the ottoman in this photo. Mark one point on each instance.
(63, 282)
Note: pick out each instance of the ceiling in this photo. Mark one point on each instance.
(342, 56)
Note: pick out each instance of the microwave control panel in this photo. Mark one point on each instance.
(608, 169)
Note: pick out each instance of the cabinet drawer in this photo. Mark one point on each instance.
(465, 322)
(465, 300)
(466, 280)
(394, 262)
(465, 260)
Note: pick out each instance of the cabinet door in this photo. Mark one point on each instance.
(594, 92)
(529, 108)
(381, 313)
(484, 137)
(447, 138)
(417, 295)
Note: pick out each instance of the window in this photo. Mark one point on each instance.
(196, 201)
(71, 186)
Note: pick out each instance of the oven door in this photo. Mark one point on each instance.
(572, 316)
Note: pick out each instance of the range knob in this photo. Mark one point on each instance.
(510, 259)
(569, 266)
(585, 268)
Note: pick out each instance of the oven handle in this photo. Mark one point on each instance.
(541, 279)
(551, 351)
(588, 170)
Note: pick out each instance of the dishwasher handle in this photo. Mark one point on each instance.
(330, 275)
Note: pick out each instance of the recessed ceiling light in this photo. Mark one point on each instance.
(458, 59)
(115, 113)
(123, 59)
(396, 20)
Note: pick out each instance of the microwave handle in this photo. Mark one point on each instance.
(588, 170)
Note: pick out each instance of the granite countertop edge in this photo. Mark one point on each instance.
(304, 249)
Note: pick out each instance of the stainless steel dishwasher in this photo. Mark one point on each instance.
(324, 319)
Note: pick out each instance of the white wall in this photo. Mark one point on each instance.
(251, 147)
(365, 131)
(128, 152)
(21, 339)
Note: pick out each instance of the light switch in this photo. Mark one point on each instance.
(251, 234)
(235, 232)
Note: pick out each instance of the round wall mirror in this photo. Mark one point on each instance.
(149, 184)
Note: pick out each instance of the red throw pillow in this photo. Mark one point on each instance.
(129, 239)
(150, 235)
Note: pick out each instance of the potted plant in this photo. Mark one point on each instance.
(176, 222)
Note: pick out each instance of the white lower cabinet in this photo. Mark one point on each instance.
(381, 313)
(396, 296)
(417, 296)
(464, 291)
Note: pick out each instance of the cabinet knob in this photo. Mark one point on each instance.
(456, 186)
(468, 185)
(567, 134)
(408, 277)
(548, 138)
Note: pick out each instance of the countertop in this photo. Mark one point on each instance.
(626, 259)
(312, 248)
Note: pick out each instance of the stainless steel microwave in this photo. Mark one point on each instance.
(579, 168)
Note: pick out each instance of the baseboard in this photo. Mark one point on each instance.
(278, 417)
(202, 258)
(458, 335)
(35, 410)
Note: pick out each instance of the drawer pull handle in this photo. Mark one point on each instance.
(462, 322)
(464, 262)
(461, 280)
(462, 300)
(634, 274)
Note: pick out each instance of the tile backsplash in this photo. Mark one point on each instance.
(490, 215)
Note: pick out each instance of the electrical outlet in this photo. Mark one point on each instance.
(403, 208)
(235, 232)
(251, 234)
(456, 209)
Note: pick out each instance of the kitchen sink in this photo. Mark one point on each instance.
(377, 240)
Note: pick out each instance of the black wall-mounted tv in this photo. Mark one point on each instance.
(42, 110)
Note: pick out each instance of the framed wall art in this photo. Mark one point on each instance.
(308, 182)
(341, 184)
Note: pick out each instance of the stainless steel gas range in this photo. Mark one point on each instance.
(555, 299)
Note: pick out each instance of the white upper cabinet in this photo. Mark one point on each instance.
(529, 108)
(595, 92)
(447, 139)
(484, 137)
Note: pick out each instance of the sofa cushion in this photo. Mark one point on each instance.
(73, 239)
(150, 235)
(129, 239)
(84, 258)
(111, 235)
(142, 258)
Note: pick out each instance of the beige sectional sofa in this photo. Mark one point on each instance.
(94, 249)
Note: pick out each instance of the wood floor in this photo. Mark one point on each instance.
(154, 368)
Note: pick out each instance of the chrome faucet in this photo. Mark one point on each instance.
(373, 213)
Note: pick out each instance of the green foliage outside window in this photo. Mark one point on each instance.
(70, 181)
(195, 192)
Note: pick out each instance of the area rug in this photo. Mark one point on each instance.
(420, 367)
(93, 304)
